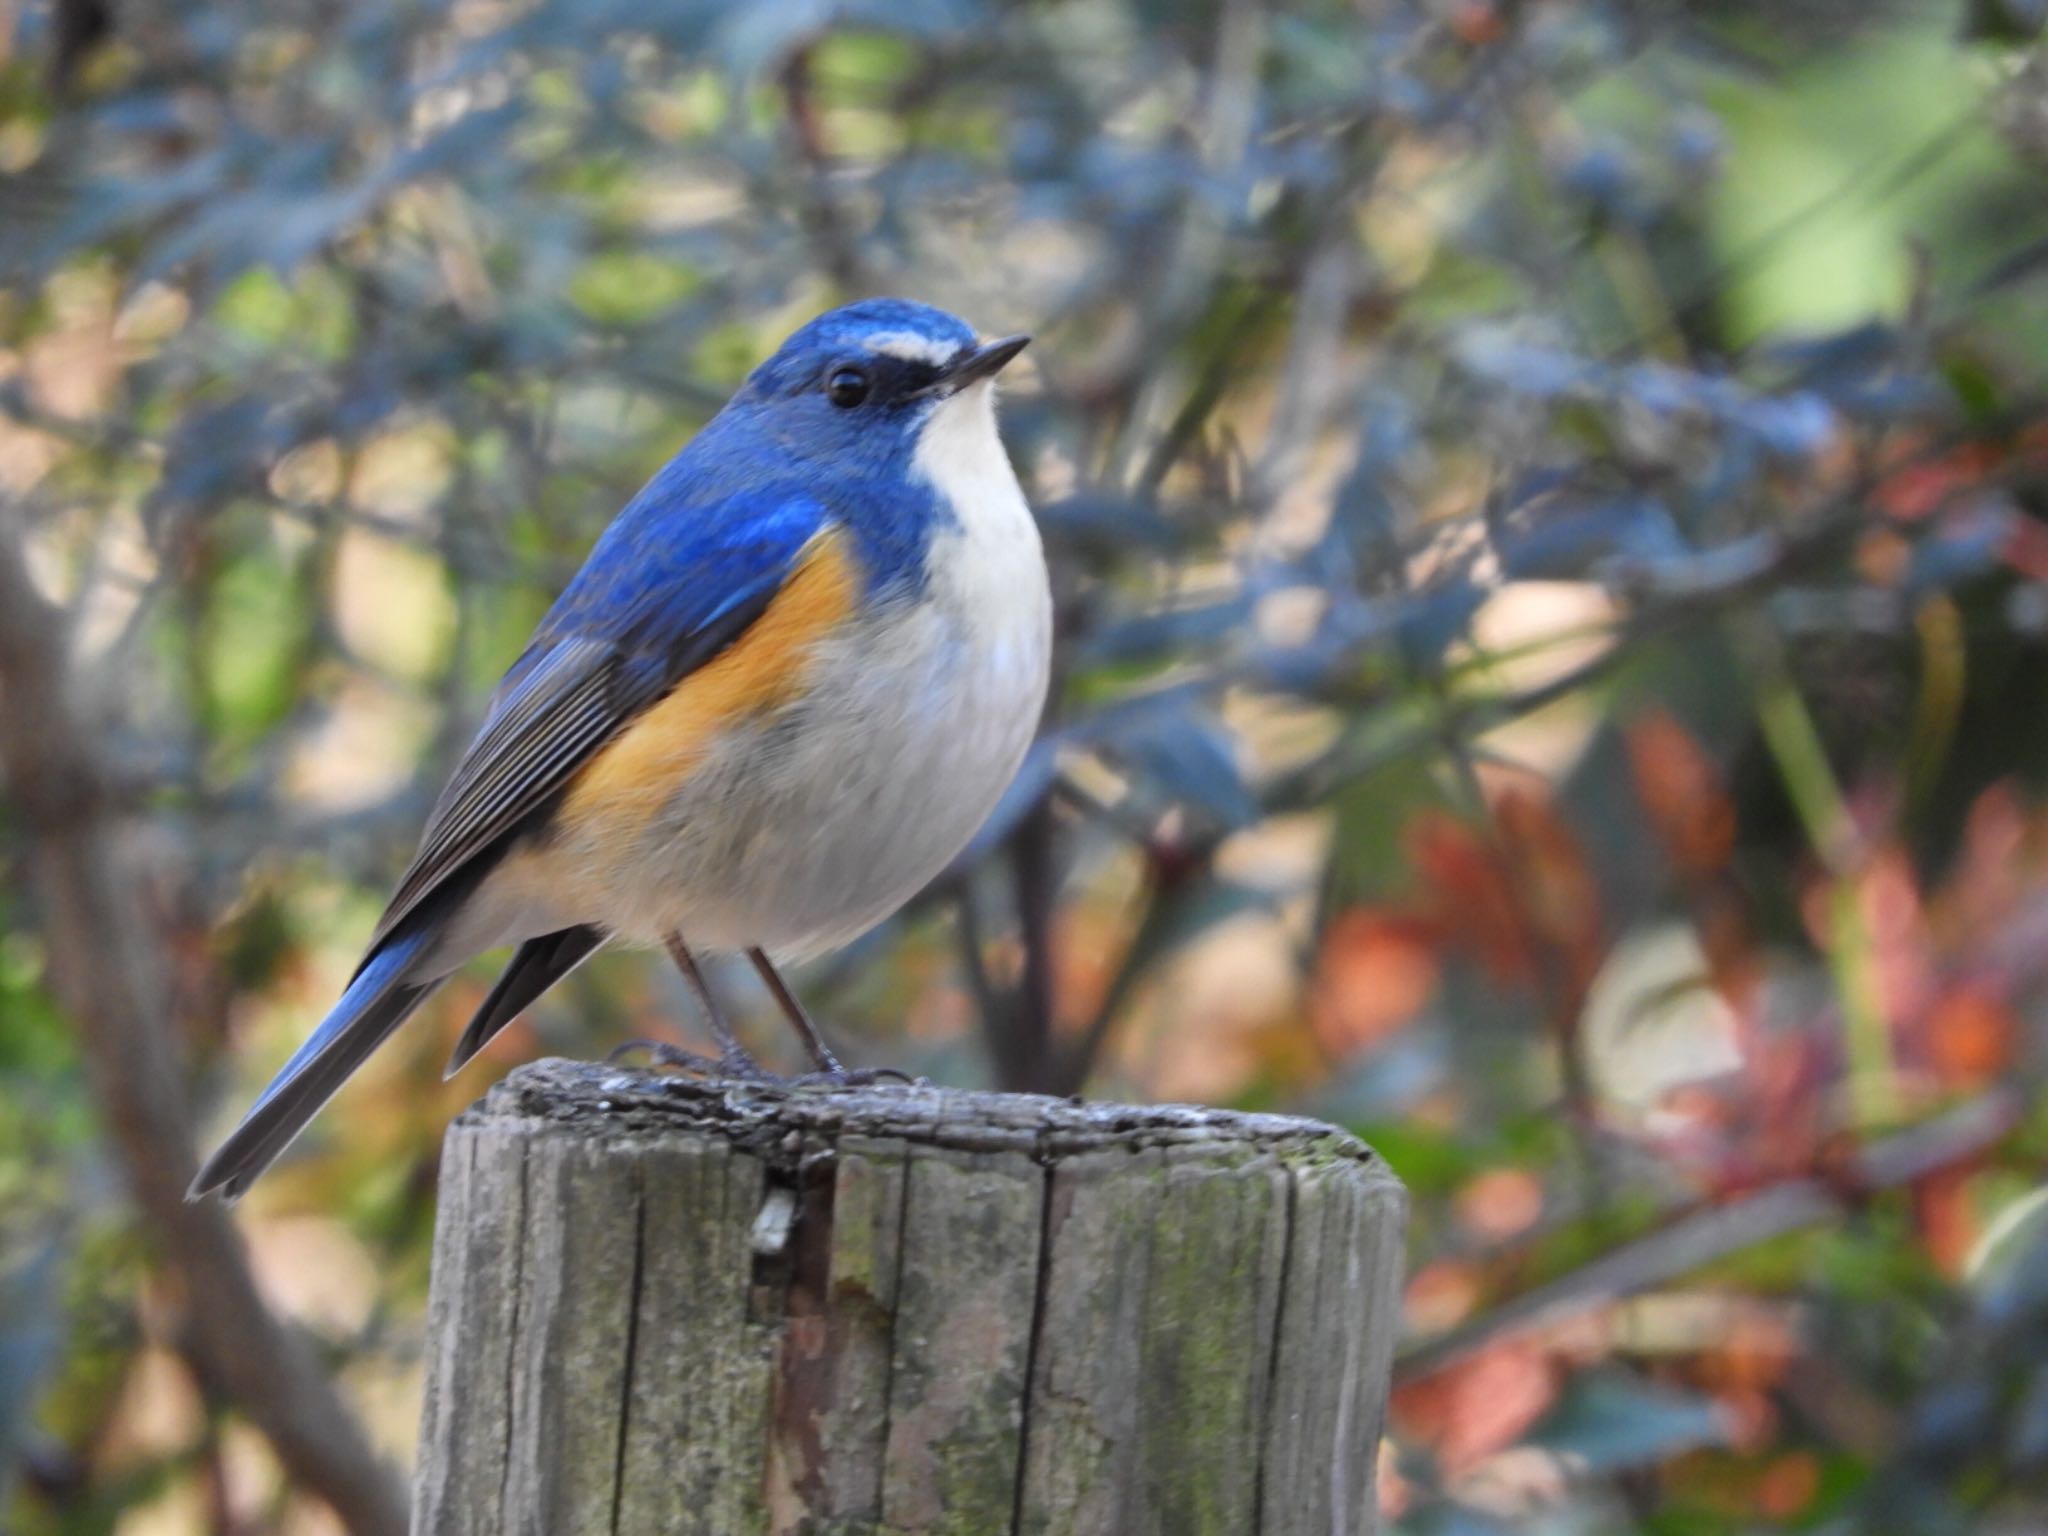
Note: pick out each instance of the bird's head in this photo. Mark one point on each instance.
(876, 386)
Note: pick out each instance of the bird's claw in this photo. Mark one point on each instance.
(856, 1077)
(662, 1054)
(743, 1068)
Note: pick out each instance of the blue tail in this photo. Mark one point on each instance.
(379, 1000)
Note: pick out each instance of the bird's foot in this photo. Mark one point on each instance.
(733, 1064)
(742, 1067)
(856, 1077)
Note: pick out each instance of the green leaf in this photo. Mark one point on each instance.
(623, 288)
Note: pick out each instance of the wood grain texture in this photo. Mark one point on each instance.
(666, 1305)
(701, 1368)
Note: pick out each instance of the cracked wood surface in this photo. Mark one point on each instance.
(991, 1315)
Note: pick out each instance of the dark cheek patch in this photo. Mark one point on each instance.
(915, 376)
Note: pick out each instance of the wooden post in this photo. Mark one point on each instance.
(669, 1306)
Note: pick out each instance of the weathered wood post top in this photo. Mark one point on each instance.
(663, 1305)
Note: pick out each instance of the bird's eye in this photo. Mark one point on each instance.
(847, 388)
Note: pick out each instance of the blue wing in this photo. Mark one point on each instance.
(677, 577)
(664, 590)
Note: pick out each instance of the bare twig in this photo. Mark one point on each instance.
(1705, 1233)
(989, 1004)
(1024, 1049)
(77, 27)
(834, 242)
(108, 973)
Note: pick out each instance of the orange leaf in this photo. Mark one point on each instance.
(1501, 1203)
(1789, 1485)
(1558, 896)
(1375, 973)
(1968, 1038)
(1480, 1405)
(1477, 24)
(1946, 1213)
(1680, 788)
(1469, 897)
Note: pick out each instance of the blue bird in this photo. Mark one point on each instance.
(785, 689)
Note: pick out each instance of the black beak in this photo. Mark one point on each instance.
(978, 363)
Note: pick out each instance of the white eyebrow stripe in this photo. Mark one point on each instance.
(911, 347)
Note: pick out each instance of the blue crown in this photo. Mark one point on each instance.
(854, 328)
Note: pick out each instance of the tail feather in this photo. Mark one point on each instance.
(538, 965)
(379, 999)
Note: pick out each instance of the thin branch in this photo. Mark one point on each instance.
(77, 28)
(1024, 1050)
(1706, 1233)
(834, 242)
(989, 1004)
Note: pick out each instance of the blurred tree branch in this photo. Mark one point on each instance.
(1696, 1237)
(77, 27)
(105, 966)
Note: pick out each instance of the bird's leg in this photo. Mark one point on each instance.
(826, 1067)
(733, 1059)
(814, 1043)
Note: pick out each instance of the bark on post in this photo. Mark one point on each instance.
(668, 1306)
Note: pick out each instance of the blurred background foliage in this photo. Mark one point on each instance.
(1546, 503)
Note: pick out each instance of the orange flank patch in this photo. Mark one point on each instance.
(630, 779)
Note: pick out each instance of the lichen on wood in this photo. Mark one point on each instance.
(676, 1306)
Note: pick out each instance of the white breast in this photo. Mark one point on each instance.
(990, 570)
